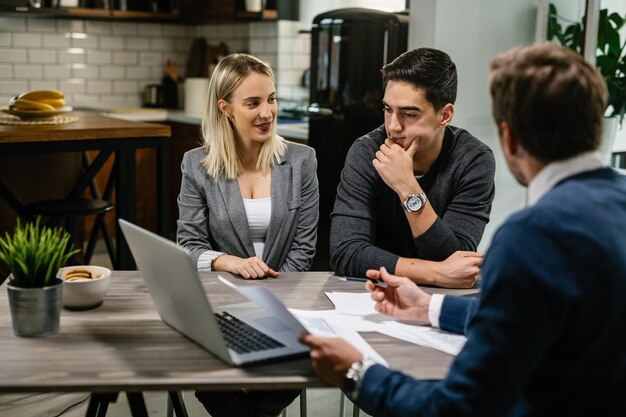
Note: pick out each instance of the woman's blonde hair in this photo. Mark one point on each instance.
(223, 155)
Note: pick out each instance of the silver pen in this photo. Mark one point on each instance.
(377, 282)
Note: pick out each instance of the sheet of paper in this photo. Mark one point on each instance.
(425, 336)
(357, 311)
(339, 329)
(353, 303)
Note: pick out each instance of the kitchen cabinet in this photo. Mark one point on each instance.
(203, 11)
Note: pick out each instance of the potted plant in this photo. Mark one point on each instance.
(610, 60)
(34, 254)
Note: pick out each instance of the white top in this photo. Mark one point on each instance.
(258, 211)
(544, 181)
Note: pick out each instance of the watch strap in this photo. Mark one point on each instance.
(354, 377)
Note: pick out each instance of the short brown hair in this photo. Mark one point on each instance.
(552, 100)
(427, 68)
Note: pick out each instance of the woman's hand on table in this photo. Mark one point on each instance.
(248, 268)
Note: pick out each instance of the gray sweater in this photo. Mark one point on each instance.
(368, 226)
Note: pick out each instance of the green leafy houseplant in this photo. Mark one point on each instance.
(610, 52)
(34, 254)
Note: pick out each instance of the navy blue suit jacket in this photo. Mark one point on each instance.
(549, 335)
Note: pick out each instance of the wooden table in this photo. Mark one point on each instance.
(108, 136)
(124, 346)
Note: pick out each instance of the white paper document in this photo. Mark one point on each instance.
(334, 326)
(357, 312)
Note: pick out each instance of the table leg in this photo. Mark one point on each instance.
(99, 404)
(163, 189)
(125, 188)
(137, 404)
(178, 405)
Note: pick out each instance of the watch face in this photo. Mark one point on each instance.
(414, 203)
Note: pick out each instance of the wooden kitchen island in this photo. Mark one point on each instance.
(108, 136)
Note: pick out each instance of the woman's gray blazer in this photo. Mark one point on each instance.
(212, 214)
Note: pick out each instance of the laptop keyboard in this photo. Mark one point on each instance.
(243, 338)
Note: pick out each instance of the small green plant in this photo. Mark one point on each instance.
(610, 52)
(34, 254)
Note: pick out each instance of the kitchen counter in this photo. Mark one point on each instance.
(294, 129)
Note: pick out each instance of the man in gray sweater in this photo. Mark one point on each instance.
(416, 193)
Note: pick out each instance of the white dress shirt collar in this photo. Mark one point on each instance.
(555, 172)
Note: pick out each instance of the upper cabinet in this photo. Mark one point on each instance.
(189, 11)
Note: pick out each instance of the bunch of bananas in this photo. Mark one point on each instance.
(37, 100)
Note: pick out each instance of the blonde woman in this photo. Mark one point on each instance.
(248, 203)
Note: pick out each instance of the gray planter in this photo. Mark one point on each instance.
(35, 312)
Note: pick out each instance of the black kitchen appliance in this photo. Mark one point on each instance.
(348, 49)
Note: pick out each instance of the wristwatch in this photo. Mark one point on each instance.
(352, 381)
(414, 202)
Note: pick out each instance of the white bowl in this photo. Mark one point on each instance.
(87, 293)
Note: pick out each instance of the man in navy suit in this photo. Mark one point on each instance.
(547, 336)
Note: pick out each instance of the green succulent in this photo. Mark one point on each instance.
(34, 253)
(610, 52)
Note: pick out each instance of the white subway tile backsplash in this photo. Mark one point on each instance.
(174, 31)
(12, 55)
(99, 57)
(56, 41)
(111, 72)
(238, 45)
(207, 31)
(99, 86)
(137, 73)
(12, 88)
(271, 45)
(95, 27)
(12, 24)
(87, 72)
(226, 31)
(150, 58)
(5, 39)
(240, 30)
(41, 25)
(125, 86)
(72, 86)
(6, 71)
(284, 62)
(149, 29)
(71, 55)
(28, 71)
(131, 100)
(119, 58)
(44, 56)
(70, 26)
(57, 71)
(84, 42)
(257, 46)
(40, 84)
(85, 100)
(111, 42)
(28, 40)
(124, 28)
(125, 57)
(161, 44)
(140, 44)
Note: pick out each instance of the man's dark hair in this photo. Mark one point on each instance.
(551, 98)
(427, 68)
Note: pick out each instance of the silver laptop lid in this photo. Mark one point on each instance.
(171, 276)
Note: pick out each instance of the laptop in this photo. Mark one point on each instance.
(240, 334)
